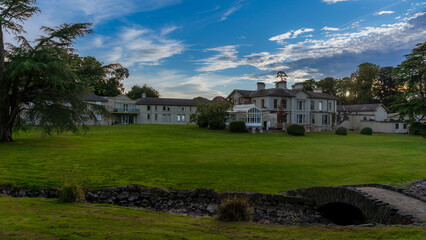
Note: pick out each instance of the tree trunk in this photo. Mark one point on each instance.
(5, 126)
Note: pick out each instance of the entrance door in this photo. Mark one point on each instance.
(125, 119)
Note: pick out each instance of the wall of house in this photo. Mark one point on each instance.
(148, 114)
(385, 127)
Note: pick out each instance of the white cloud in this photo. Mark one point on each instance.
(137, 46)
(330, 29)
(290, 34)
(229, 12)
(333, 1)
(383, 13)
(386, 37)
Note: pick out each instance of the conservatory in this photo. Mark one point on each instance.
(247, 113)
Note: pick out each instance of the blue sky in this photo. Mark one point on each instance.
(188, 48)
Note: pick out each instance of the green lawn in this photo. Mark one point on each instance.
(23, 218)
(187, 157)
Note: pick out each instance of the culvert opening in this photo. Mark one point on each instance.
(342, 214)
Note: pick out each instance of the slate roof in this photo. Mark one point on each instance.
(358, 107)
(280, 92)
(277, 92)
(321, 95)
(169, 101)
(244, 93)
(94, 98)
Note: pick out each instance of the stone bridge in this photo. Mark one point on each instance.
(353, 205)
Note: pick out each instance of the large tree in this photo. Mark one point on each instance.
(328, 85)
(309, 85)
(363, 78)
(39, 82)
(411, 74)
(385, 86)
(137, 91)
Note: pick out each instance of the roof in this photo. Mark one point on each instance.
(358, 107)
(169, 101)
(243, 108)
(95, 98)
(321, 95)
(243, 93)
(278, 92)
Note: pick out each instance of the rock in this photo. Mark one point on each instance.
(133, 196)
(123, 195)
(211, 208)
(366, 225)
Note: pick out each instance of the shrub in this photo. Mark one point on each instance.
(367, 131)
(296, 130)
(233, 209)
(71, 190)
(202, 123)
(417, 128)
(341, 131)
(237, 127)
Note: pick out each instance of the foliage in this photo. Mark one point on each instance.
(411, 74)
(309, 85)
(71, 190)
(328, 85)
(43, 81)
(199, 98)
(341, 131)
(187, 157)
(219, 99)
(234, 209)
(296, 130)
(363, 78)
(213, 114)
(385, 86)
(417, 128)
(136, 92)
(237, 127)
(366, 131)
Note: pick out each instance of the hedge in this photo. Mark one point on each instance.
(367, 131)
(341, 131)
(296, 130)
(237, 127)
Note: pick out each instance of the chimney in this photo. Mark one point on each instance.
(297, 86)
(281, 84)
(318, 90)
(260, 85)
(144, 95)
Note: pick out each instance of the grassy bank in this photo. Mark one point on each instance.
(186, 157)
(23, 218)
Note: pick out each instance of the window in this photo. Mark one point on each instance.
(312, 105)
(148, 116)
(98, 103)
(284, 103)
(324, 119)
(275, 103)
(155, 108)
(300, 118)
(364, 118)
(148, 108)
(99, 117)
(254, 102)
(313, 119)
(155, 117)
(404, 126)
(164, 108)
(169, 117)
(397, 126)
(164, 118)
(178, 117)
(263, 103)
(183, 117)
(329, 106)
(190, 109)
(300, 105)
(182, 109)
(320, 106)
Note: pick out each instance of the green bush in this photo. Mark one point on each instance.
(202, 123)
(237, 127)
(341, 131)
(296, 130)
(217, 124)
(234, 209)
(72, 193)
(367, 131)
(417, 128)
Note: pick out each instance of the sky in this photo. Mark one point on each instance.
(189, 48)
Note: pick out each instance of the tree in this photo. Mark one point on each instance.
(213, 115)
(385, 86)
(343, 90)
(309, 85)
(328, 85)
(136, 92)
(219, 99)
(105, 80)
(199, 98)
(39, 82)
(411, 74)
(363, 78)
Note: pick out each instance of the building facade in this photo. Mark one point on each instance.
(282, 106)
(145, 110)
(375, 116)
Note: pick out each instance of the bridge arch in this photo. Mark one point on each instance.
(338, 203)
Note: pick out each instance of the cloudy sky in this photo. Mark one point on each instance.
(188, 48)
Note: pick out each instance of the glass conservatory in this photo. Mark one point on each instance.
(247, 113)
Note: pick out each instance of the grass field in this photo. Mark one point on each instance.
(187, 157)
(23, 218)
